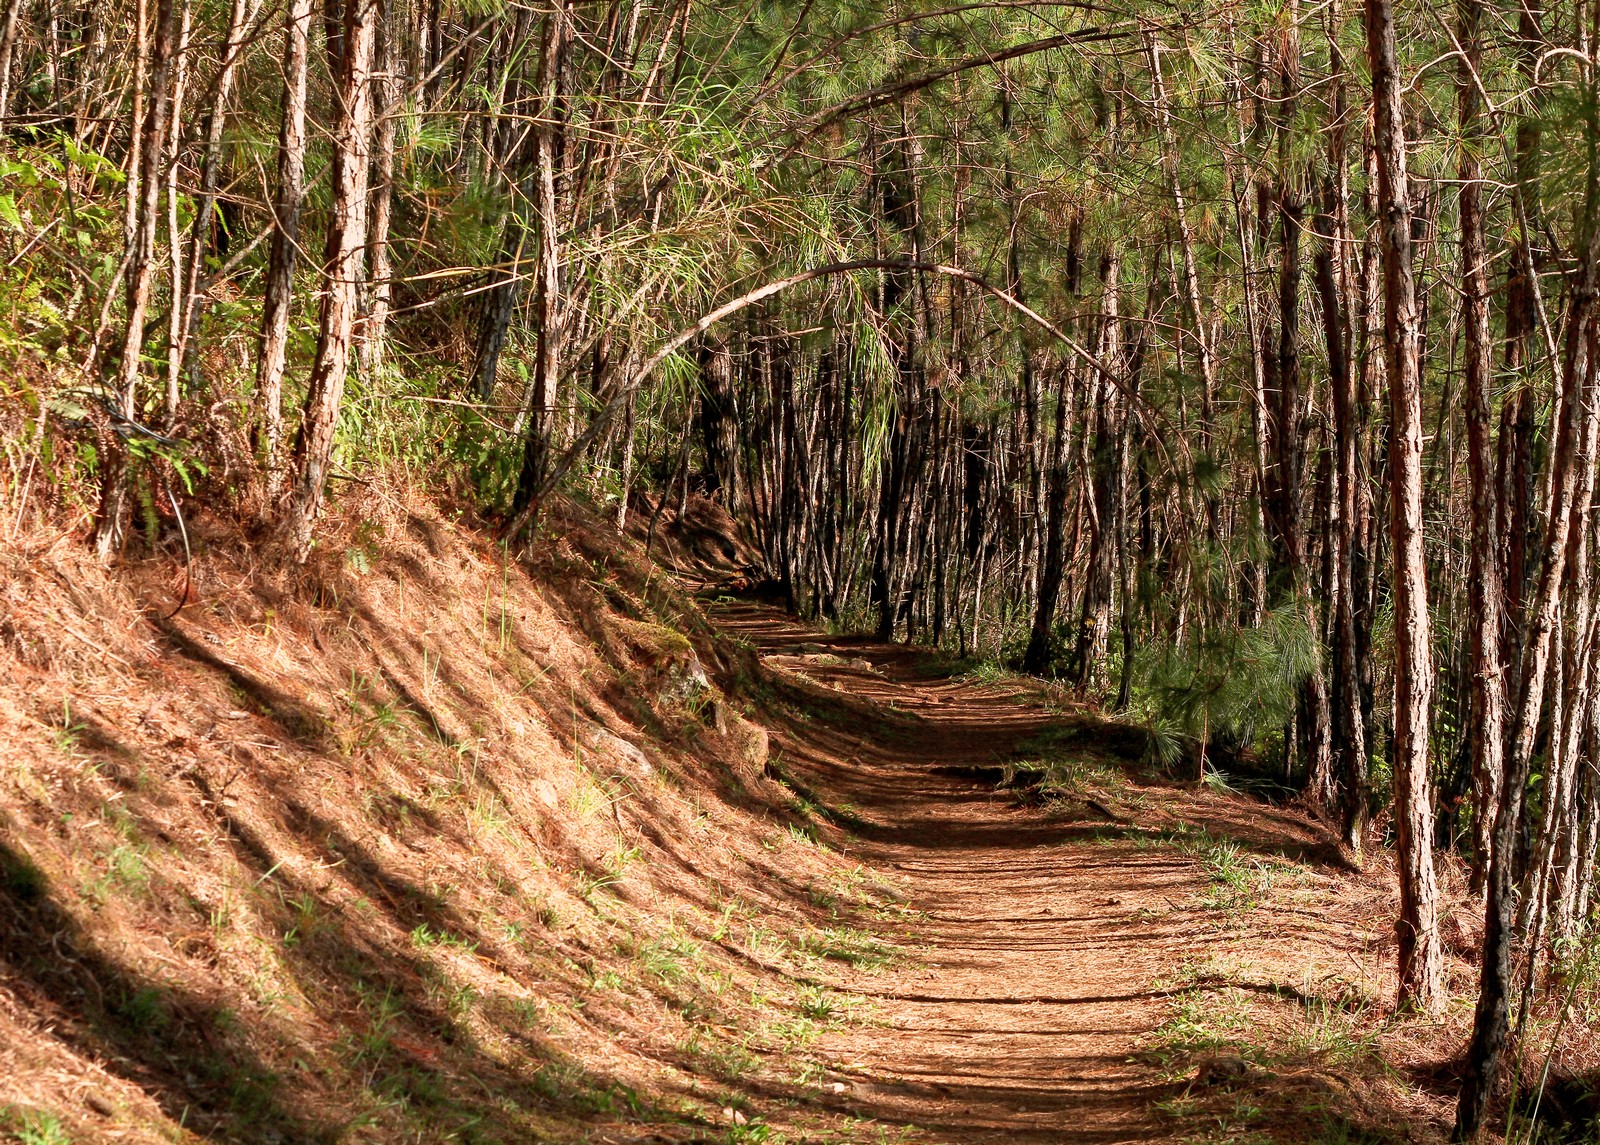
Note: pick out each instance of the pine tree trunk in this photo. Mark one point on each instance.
(8, 43)
(240, 18)
(1095, 621)
(1486, 729)
(719, 425)
(1038, 655)
(176, 316)
(1191, 273)
(386, 87)
(144, 206)
(1421, 984)
(548, 306)
(277, 302)
(1574, 435)
(1349, 739)
(347, 235)
(1036, 659)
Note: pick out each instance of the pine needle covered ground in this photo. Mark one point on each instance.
(421, 844)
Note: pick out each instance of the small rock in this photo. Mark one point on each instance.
(755, 745)
(734, 1115)
(99, 1103)
(1221, 1070)
(606, 742)
(837, 1087)
(686, 681)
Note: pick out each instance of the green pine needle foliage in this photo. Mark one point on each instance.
(1227, 686)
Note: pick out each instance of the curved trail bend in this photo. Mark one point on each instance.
(1040, 937)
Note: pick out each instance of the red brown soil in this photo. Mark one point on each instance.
(1021, 1019)
(1052, 935)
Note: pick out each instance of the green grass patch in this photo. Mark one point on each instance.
(34, 1126)
(858, 948)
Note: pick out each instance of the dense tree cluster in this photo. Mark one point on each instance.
(1236, 363)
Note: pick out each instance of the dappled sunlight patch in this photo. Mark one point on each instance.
(1285, 1031)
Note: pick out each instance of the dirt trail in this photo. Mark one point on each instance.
(1042, 938)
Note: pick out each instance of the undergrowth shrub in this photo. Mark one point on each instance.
(1228, 690)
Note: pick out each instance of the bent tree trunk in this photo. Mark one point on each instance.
(1418, 926)
(347, 233)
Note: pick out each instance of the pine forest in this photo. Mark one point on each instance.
(629, 464)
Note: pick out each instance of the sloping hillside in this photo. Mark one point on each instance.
(420, 845)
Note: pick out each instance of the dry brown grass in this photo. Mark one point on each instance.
(420, 844)
(1295, 973)
(343, 854)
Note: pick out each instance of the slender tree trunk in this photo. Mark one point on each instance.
(1239, 184)
(1574, 434)
(277, 303)
(894, 187)
(176, 330)
(500, 302)
(144, 215)
(1486, 730)
(547, 302)
(1312, 715)
(719, 425)
(187, 307)
(1335, 275)
(629, 437)
(1421, 984)
(1572, 696)
(347, 234)
(1095, 622)
(1490, 1025)
(8, 43)
(1517, 424)
(386, 87)
(1349, 742)
(1191, 273)
(1037, 657)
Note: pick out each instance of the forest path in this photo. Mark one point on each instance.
(1040, 934)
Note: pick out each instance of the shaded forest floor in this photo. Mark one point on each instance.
(421, 845)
